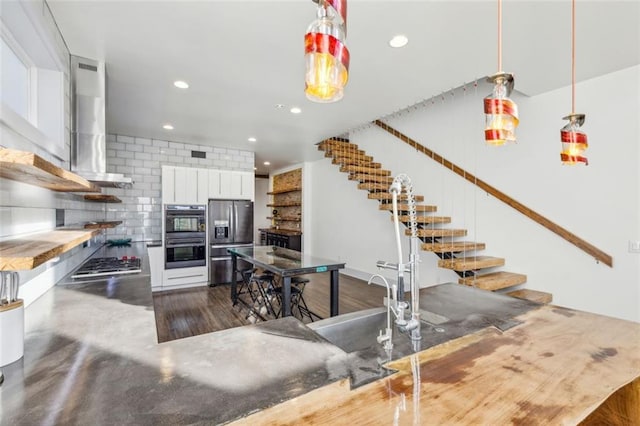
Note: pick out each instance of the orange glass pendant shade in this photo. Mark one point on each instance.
(501, 112)
(574, 141)
(326, 54)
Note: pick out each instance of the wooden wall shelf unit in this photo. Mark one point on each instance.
(286, 216)
(32, 251)
(102, 225)
(30, 168)
(105, 198)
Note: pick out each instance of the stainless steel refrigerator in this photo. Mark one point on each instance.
(230, 225)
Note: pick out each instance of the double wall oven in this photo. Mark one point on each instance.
(185, 236)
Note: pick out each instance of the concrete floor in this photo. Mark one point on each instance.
(92, 357)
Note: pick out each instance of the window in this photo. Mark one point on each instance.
(32, 79)
(14, 89)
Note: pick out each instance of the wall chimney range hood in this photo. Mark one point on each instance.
(88, 137)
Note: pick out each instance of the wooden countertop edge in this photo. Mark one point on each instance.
(558, 367)
(31, 251)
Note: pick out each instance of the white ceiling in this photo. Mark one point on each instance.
(243, 57)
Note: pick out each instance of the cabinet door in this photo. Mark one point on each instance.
(203, 186)
(168, 185)
(186, 185)
(236, 185)
(226, 184)
(247, 186)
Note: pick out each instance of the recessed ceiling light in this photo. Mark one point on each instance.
(399, 40)
(295, 110)
(181, 84)
(252, 139)
(279, 106)
(167, 127)
(266, 163)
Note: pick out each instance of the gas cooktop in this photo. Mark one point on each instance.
(100, 266)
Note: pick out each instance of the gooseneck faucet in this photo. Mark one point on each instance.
(413, 324)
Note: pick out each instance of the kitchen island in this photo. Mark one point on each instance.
(91, 357)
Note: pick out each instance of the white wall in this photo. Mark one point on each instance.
(260, 209)
(600, 203)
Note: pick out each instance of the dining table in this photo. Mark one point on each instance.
(288, 263)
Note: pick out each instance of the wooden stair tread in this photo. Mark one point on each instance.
(362, 169)
(438, 232)
(387, 196)
(356, 162)
(366, 177)
(424, 219)
(450, 247)
(333, 142)
(373, 186)
(532, 295)
(471, 263)
(405, 207)
(349, 156)
(494, 280)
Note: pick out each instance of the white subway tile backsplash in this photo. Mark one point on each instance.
(125, 139)
(124, 154)
(152, 149)
(176, 145)
(142, 156)
(116, 146)
(134, 148)
(220, 150)
(143, 141)
(133, 162)
(160, 143)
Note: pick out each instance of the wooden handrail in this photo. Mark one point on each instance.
(553, 227)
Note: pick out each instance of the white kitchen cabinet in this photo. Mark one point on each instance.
(168, 185)
(190, 185)
(186, 185)
(184, 277)
(203, 186)
(247, 185)
(156, 266)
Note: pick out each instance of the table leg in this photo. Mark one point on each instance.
(234, 283)
(286, 296)
(334, 293)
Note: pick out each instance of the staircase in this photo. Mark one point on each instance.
(473, 270)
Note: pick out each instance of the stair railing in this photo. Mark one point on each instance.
(598, 254)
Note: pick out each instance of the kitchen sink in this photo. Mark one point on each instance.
(354, 331)
(357, 331)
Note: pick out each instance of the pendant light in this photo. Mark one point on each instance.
(326, 53)
(501, 112)
(574, 140)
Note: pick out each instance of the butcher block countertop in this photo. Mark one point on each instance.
(557, 367)
(31, 251)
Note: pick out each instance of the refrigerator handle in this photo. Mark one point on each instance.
(235, 222)
(232, 223)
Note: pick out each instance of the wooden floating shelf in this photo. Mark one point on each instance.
(102, 225)
(286, 219)
(284, 191)
(102, 198)
(32, 251)
(32, 169)
(283, 231)
(292, 204)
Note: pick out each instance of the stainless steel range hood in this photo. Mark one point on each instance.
(88, 138)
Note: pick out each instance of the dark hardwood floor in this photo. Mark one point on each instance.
(199, 310)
